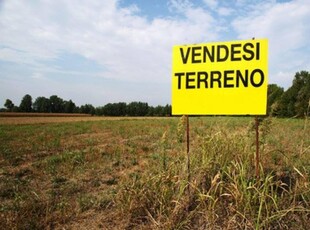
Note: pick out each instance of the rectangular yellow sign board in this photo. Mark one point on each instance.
(224, 78)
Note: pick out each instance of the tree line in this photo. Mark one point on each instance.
(293, 102)
(55, 104)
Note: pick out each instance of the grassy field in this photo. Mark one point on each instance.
(22, 119)
(21, 114)
(100, 173)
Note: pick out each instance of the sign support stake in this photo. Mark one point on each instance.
(188, 154)
(257, 147)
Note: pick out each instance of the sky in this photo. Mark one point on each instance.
(106, 51)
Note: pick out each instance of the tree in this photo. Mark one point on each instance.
(295, 100)
(303, 95)
(168, 110)
(159, 111)
(110, 110)
(26, 104)
(115, 109)
(99, 111)
(137, 109)
(88, 109)
(69, 106)
(151, 111)
(274, 95)
(121, 108)
(9, 105)
(56, 104)
(42, 105)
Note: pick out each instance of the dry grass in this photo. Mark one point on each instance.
(125, 173)
(19, 114)
(57, 118)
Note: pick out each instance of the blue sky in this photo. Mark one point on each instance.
(120, 50)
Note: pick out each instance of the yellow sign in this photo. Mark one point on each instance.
(228, 78)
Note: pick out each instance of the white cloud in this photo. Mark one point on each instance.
(287, 27)
(225, 11)
(286, 78)
(38, 76)
(211, 3)
(179, 6)
(134, 49)
(128, 46)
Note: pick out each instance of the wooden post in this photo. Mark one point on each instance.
(257, 143)
(257, 147)
(187, 150)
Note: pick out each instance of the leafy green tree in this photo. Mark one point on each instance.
(56, 104)
(168, 110)
(9, 105)
(76, 109)
(137, 109)
(87, 109)
(42, 105)
(295, 100)
(26, 104)
(274, 95)
(15, 109)
(159, 110)
(303, 95)
(121, 108)
(108, 110)
(69, 106)
(151, 111)
(115, 109)
(99, 111)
